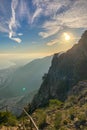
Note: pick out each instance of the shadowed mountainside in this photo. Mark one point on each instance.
(66, 70)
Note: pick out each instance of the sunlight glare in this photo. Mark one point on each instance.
(67, 36)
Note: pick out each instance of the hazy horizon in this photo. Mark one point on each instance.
(9, 60)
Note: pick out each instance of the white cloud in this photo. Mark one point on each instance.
(3, 24)
(61, 13)
(3, 29)
(20, 34)
(13, 23)
(50, 7)
(51, 28)
(74, 16)
(24, 10)
(8, 20)
(52, 42)
(51, 31)
(17, 40)
(36, 14)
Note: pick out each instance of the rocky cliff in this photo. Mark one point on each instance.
(66, 70)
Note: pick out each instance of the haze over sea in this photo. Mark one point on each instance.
(8, 60)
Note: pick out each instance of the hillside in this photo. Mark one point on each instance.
(5, 76)
(68, 115)
(19, 85)
(57, 115)
(27, 78)
(65, 71)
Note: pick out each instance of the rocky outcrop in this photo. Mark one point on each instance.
(78, 93)
(66, 70)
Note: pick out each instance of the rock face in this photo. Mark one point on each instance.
(79, 93)
(66, 70)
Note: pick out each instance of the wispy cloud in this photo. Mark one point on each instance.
(20, 34)
(55, 14)
(73, 14)
(3, 19)
(3, 28)
(52, 42)
(76, 16)
(50, 27)
(10, 18)
(36, 14)
(49, 32)
(13, 23)
(50, 7)
(24, 10)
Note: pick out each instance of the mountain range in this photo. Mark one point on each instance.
(19, 84)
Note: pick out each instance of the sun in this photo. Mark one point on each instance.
(67, 36)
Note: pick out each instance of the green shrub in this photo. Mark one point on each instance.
(12, 121)
(81, 122)
(55, 102)
(72, 113)
(7, 118)
(82, 118)
(41, 117)
(58, 120)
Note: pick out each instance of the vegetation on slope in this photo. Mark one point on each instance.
(57, 115)
(7, 119)
(68, 115)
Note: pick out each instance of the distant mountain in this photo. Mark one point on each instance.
(5, 76)
(26, 99)
(66, 70)
(24, 79)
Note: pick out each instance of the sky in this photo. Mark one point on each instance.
(37, 28)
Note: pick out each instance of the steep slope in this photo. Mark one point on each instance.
(78, 94)
(26, 79)
(68, 115)
(66, 70)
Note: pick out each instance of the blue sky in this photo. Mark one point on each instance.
(37, 26)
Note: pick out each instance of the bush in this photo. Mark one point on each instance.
(7, 118)
(72, 113)
(12, 121)
(58, 120)
(55, 102)
(41, 117)
(82, 119)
